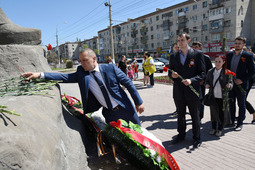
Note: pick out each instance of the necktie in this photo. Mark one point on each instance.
(103, 89)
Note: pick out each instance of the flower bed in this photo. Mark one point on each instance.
(161, 79)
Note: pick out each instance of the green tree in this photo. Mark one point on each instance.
(52, 57)
(96, 51)
(85, 46)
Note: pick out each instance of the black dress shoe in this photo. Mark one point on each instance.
(177, 140)
(197, 144)
(238, 127)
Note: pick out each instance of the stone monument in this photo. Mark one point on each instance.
(45, 136)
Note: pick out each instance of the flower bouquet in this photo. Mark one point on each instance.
(135, 143)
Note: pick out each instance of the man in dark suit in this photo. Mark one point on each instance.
(196, 45)
(190, 65)
(87, 75)
(241, 63)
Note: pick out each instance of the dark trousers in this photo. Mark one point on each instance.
(221, 115)
(201, 102)
(249, 107)
(236, 94)
(152, 79)
(121, 113)
(193, 106)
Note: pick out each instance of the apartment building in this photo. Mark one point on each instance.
(71, 50)
(207, 21)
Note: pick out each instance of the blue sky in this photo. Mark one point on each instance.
(83, 18)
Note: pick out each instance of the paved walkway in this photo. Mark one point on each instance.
(233, 150)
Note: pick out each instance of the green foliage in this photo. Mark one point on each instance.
(52, 57)
(133, 151)
(69, 64)
(96, 51)
(3, 109)
(17, 86)
(131, 125)
(85, 46)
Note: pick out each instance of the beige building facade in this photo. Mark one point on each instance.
(207, 21)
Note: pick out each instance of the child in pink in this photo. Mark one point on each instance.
(130, 72)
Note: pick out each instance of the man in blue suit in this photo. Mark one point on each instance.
(92, 96)
(189, 64)
(241, 63)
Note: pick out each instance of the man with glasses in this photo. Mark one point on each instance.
(241, 63)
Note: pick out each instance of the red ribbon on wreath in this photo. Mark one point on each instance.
(148, 143)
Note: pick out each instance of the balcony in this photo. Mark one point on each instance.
(181, 14)
(216, 5)
(216, 17)
(181, 25)
(216, 29)
(166, 37)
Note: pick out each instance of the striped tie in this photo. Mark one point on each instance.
(103, 89)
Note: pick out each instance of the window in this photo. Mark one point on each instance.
(227, 23)
(215, 2)
(205, 38)
(195, 39)
(204, 27)
(216, 37)
(171, 14)
(194, 29)
(194, 7)
(228, 36)
(151, 20)
(204, 16)
(152, 45)
(158, 26)
(241, 23)
(157, 18)
(228, 10)
(186, 9)
(194, 18)
(205, 4)
(241, 10)
(158, 36)
(152, 37)
(158, 44)
(151, 28)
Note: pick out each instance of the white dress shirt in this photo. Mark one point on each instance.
(95, 89)
(217, 89)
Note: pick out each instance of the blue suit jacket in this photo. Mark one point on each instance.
(193, 69)
(245, 68)
(112, 76)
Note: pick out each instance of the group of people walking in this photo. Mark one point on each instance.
(229, 81)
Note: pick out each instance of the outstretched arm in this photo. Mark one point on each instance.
(31, 75)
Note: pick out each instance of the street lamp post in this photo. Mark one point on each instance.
(58, 54)
(111, 34)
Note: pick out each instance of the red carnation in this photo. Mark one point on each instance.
(230, 73)
(165, 69)
(49, 47)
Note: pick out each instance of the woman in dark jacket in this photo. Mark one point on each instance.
(123, 64)
(219, 84)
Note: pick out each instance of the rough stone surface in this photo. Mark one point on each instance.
(16, 59)
(11, 33)
(44, 137)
